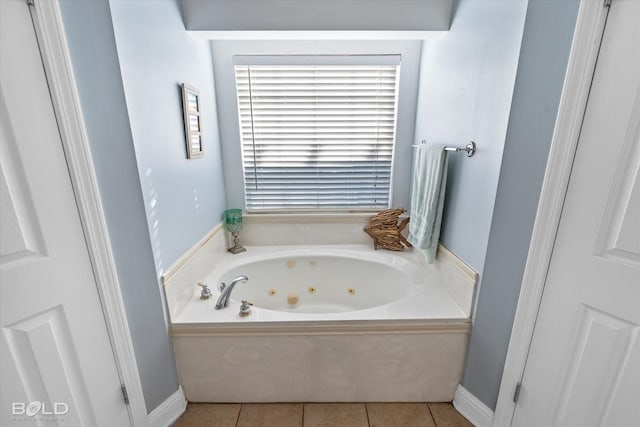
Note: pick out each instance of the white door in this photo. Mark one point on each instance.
(56, 361)
(583, 367)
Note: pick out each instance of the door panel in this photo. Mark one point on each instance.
(21, 235)
(583, 367)
(43, 344)
(598, 357)
(56, 359)
(620, 235)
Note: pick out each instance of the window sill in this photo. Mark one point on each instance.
(307, 218)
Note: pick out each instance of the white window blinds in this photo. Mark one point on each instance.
(317, 136)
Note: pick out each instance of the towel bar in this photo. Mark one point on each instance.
(470, 148)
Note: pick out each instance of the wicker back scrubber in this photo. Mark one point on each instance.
(386, 231)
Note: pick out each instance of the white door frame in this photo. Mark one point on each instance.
(580, 69)
(66, 103)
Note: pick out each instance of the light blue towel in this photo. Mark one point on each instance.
(427, 198)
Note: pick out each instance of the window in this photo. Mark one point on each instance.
(317, 136)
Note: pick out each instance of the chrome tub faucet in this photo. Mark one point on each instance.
(225, 291)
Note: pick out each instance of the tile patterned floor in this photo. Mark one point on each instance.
(321, 415)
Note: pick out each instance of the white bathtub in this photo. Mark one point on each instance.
(368, 326)
(321, 280)
(351, 282)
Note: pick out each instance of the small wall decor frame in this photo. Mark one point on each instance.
(192, 123)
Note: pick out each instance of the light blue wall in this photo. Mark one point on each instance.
(89, 32)
(466, 84)
(543, 59)
(184, 198)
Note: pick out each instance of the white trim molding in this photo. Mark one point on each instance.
(189, 255)
(582, 60)
(66, 103)
(479, 414)
(350, 327)
(459, 263)
(315, 35)
(169, 411)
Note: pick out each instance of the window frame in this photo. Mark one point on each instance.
(224, 51)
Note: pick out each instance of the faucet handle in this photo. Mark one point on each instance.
(206, 292)
(221, 286)
(245, 308)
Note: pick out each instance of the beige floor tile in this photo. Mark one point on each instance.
(445, 415)
(270, 415)
(335, 415)
(209, 414)
(399, 415)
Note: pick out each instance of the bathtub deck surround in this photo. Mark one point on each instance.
(332, 282)
(180, 279)
(306, 229)
(404, 341)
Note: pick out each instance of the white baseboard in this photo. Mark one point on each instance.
(169, 410)
(472, 408)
